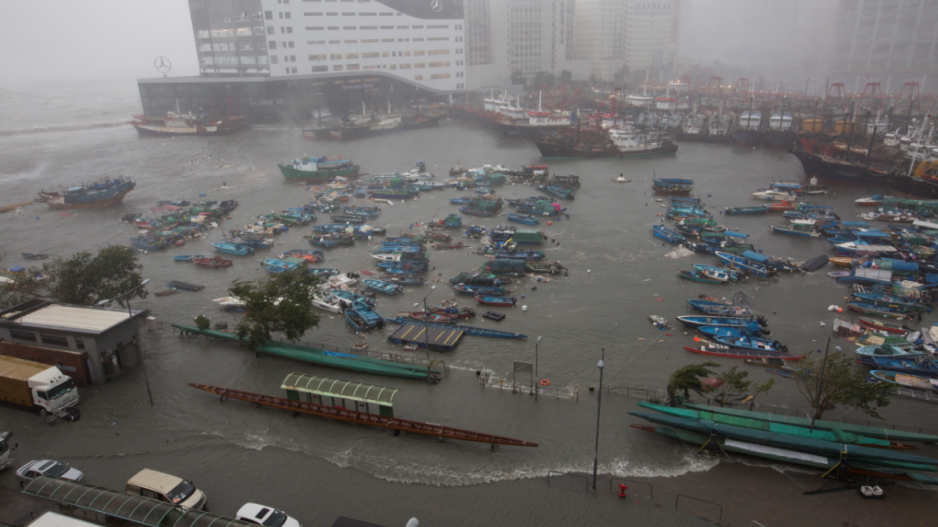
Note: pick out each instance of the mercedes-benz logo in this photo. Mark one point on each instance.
(436, 5)
(162, 64)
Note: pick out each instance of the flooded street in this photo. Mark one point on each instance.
(316, 469)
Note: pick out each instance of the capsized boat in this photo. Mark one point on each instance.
(906, 380)
(95, 195)
(502, 301)
(666, 234)
(473, 290)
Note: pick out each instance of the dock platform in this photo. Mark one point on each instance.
(441, 338)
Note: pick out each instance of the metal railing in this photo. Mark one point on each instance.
(678, 500)
(556, 474)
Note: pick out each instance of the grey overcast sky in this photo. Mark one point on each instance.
(49, 40)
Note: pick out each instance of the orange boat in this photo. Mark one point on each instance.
(781, 206)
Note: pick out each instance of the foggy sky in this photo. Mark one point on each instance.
(50, 40)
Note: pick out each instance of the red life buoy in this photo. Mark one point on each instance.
(545, 382)
(407, 266)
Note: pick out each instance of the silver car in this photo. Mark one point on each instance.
(48, 468)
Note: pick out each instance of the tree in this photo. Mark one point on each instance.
(282, 300)
(82, 279)
(841, 384)
(734, 382)
(517, 77)
(687, 379)
(565, 77)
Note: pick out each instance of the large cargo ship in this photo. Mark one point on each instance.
(99, 194)
(748, 134)
(839, 172)
(780, 135)
(603, 143)
(318, 168)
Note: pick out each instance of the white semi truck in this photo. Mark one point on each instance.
(38, 386)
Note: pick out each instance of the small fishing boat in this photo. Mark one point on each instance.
(176, 284)
(731, 274)
(311, 256)
(276, 262)
(839, 274)
(404, 272)
(362, 317)
(216, 262)
(751, 343)
(35, 256)
(797, 229)
(906, 380)
(461, 201)
(735, 353)
(325, 301)
(781, 206)
(531, 256)
(405, 280)
(699, 276)
(720, 310)
(438, 236)
(423, 316)
(501, 301)
(526, 219)
(381, 286)
(739, 211)
(450, 245)
(744, 264)
(350, 297)
(882, 326)
(233, 248)
(868, 308)
(736, 332)
(912, 366)
(666, 234)
(659, 322)
(697, 322)
(473, 290)
(872, 201)
(886, 350)
(493, 315)
(846, 261)
(322, 241)
(452, 311)
(672, 185)
(187, 257)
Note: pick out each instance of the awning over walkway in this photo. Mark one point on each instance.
(352, 391)
(130, 507)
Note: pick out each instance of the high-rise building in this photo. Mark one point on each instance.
(886, 38)
(526, 36)
(639, 34)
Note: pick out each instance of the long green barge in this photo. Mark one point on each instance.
(332, 359)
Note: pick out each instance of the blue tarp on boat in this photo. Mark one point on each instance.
(899, 265)
(735, 234)
(756, 257)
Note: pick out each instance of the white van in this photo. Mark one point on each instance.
(163, 487)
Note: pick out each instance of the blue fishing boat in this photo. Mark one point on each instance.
(461, 201)
(321, 241)
(233, 248)
(697, 276)
(702, 248)
(869, 308)
(349, 297)
(667, 234)
(404, 272)
(731, 274)
(400, 249)
(501, 301)
(752, 343)
(750, 325)
(276, 262)
(886, 350)
(187, 257)
(526, 219)
(723, 331)
(361, 317)
(672, 185)
(406, 280)
(797, 229)
(721, 310)
(256, 243)
(739, 211)
(407, 265)
(473, 290)
(891, 300)
(381, 286)
(744, 264)
(685, 199)
(534, 256)
(922, 367)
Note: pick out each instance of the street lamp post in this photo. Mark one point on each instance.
(599, 408)
(426, 337)
(537, 381)
(820, 385)
(133, 324)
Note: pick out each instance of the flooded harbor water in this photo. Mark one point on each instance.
(619, 274)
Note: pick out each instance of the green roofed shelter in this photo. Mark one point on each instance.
(297, 383)
(129, 507)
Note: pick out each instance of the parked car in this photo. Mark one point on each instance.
(50, 469)
(266, 516)
(164, 487)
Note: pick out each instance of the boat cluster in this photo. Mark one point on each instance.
(173, 222)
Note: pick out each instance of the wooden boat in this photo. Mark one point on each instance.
(187, 257)
(380, 286)
(216, 262)
(882, 326)
(846, 261)
(35, 256)
(666, 234)
(526, 219)
(868, 308)
(494, 315)
(717, 350)
(698, 276)
(738, 211)
(323, 241)
(906, 380)
(473, 290)
(367, 419)
(501, 301)
(520, 255)
(873, 201)
(429, 317)
(672, 185)
(233, 248)
(176, 284)
(454, 312)
(696, 322)
(450, 245)
(781, 206)
(404, 272)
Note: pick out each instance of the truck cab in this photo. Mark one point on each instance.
(53, 391)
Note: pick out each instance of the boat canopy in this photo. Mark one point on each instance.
(756, 257)
(733, 234)
(352, 391)
(856, 224)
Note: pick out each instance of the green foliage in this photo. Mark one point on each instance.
(842, 383)
(517, 77)
(687, 379)
(543, 79)
(621, 75)
(202, 322)
(282, 300)
(735, 383)
(81, 279)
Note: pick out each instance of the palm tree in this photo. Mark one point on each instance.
(687, 379)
